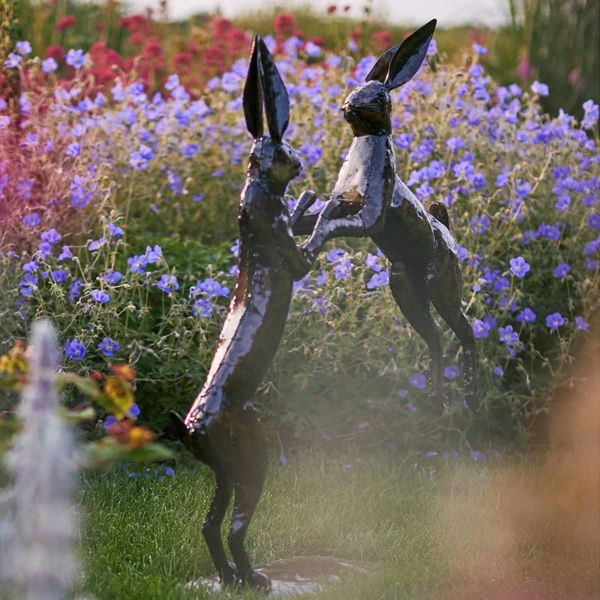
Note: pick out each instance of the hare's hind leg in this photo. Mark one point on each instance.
(445, 288)
(248, 474)
(203, 448)
(211, 528)
(410, 293)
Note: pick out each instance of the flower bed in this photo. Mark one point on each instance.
(118, 212)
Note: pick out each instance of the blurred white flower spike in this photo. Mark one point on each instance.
(37, 557)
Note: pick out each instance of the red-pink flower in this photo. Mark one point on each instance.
(55, 52)
(65, 22)
(221, 26)
(382, 40)
(284, 23)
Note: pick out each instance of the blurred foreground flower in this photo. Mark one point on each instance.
(37, 545)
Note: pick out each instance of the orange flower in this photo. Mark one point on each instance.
(125, 372)
(130, 435)
(14, 363)
(120, 395)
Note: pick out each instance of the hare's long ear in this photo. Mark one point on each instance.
(253, 95)
(382, 66)
(277, 101)
(409, 56)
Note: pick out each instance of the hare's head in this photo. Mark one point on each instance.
(368, 108)
(271, 159)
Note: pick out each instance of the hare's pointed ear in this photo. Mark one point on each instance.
(277, 101)
(409, 56)
(382, 66)
(253, 95)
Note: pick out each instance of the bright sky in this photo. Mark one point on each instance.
(448, 12)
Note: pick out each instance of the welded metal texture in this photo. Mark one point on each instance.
(222, 427)
(369, 199)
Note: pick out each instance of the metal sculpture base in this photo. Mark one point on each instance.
(299, 575)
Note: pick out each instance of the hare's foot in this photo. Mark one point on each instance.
(258, 581)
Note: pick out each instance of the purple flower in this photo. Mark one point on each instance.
(111, 277)
(32, 220)
(594, 221)
(480, 224)
(115, 231)
(49, 65)
(153, 255)
(454, 143)
(74, 289)
(312, 49)
(481, 329)
(23, 48)
(202, 307)
(562, 270)
(372, 262)
(210, 287)
(582, 324)
(342, 268)
(134, 411)
(65, 254)
(418, 380)
(550, 232)
(74, 349)
(110, 420)
(190, 150)
(97, 244)
(172, 82)
(526, 316)
(554, 321)
(100, 296)
(12, 61)
(59, 276)
(139, 158)
(519, 266)
(109, 346)
(539, 88)
(378, 280)
(452, 372)
(563, 203)
(51, 236)
(592, 112)
(404, 141)
(480, 49)
(75, 58)
(522, 188)
(137, 264)
(334, 255)
(168, 284)
(508, 336)
(73, 150)
(498, 371)
(231, 82)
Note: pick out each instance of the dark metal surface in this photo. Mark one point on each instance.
(369, 199)
(222, 427)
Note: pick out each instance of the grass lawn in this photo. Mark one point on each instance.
(433, 528)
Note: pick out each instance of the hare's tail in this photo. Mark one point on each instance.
(439, 211)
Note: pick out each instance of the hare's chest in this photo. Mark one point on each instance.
(365, 161)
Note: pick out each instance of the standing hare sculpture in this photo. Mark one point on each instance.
(222, 427)
(369, 199)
